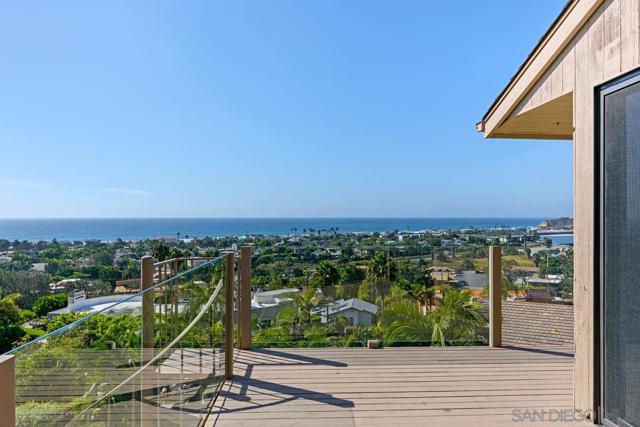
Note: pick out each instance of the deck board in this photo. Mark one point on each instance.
(453, 386)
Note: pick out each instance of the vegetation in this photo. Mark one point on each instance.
(10, 319)
(47, 303)
(386, 269)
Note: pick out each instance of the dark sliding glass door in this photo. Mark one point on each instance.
(619, 264)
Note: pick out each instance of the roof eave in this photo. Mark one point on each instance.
(568, 23)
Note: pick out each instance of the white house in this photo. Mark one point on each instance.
(356, 311)
(266, 305)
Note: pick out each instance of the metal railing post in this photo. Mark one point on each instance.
(495, 296)
(244, 306)
(228, 315)
(8, 391)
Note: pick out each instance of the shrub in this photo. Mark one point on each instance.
(46, 304)
(62, 320)
(10, 320)
(34, 414)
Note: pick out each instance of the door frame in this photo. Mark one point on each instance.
(600, 92)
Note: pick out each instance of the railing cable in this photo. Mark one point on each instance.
(159, 355)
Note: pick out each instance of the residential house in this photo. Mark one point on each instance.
(266, 305)
(356, 311)
(442, 275)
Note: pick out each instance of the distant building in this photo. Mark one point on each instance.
(112, 305)
(83, 262)
(37, 267)
(356, 311)
(443, 275)
(61, 285)
(127, 286)
(266, 305)
(76, 296)
(538, 295)
(334, 252)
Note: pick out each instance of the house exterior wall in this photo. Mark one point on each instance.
(606, 47)
(359, 317)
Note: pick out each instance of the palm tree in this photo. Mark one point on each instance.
(383, 270)
(383, 267)
(160, 251)
(304, 303)
(327, 273)
(458, 317)
(423, 293)
(405, 323)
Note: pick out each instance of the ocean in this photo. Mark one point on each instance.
(148, 228)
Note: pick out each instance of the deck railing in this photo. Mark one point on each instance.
(157, 357)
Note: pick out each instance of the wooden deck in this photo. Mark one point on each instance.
(453, 386)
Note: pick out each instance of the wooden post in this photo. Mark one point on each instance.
(228, 315)
(147, 301)
(495, 296)
(244, 306)
(8, 391)
(146, 352)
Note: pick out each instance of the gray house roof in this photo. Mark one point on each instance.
(343, 305)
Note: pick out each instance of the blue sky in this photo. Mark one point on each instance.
(268, 108)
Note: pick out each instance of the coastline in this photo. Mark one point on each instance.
(135, 229)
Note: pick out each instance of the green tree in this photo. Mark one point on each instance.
(45, 304)
(303, 303)
(382, 270)
(327, 274)
(175, 252)
(109, 273)
(467, 264)
(30, 285)
(403, 322)
(58, 267)
(20, 261)
(365, 291)
(423, 293)
(53, 251)
(103, 257)
(10, 320)
(458, 317)
(160, 251)
(383, 267)
(63, 320)
(350, 273)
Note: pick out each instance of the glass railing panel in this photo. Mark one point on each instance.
(353, 314)
(97, 371)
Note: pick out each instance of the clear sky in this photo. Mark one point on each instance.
(268, 108)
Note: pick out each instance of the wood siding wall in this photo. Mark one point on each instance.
(605, 48)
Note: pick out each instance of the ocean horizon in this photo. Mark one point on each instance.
(109, 229)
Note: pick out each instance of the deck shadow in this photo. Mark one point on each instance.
(286, 393)
(307, 360)
(541, 351)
